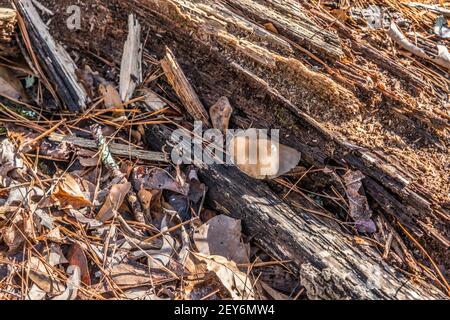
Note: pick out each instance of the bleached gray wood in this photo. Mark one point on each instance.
(131, 66)
(115, 148)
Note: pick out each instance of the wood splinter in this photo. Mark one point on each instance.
(183, 88)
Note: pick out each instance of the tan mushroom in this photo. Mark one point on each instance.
(262, 158)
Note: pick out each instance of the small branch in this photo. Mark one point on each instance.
(115, 148)
(430, 7)
(442, 59)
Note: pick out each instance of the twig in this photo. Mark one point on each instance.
(442, 59)
(114, 148)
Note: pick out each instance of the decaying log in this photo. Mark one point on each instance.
(115, 148)
(131, 66)
(57, 63)
(183, 88)
(331, 265)
(264, 64)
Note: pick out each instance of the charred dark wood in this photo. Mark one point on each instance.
(55, 60)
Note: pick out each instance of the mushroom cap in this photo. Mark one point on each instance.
(262, 158)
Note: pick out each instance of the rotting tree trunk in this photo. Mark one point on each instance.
(329, 263)
(269, 66)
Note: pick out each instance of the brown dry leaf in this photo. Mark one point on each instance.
(111, 96)
(10, 86)
(73, 283)
(13, 236)
(220, 114)
(77, 258)
(23, 195)
(221, 236)
(141, 293)
(89, 162)
(209, 286)
(146, 197)
(68, 194)
(59, 151)
(269, 26)
(113, 202)
(261, 158)
(358, 204)
(136, 274)
(157, 178)
(54, 235)
(42, 275)
(237, 283)
(161, 258)
(9, 160)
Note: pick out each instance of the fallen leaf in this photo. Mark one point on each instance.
(111, 96)
(60, 151)
(77, 258)
(54, 235)
(13, 235)
(152, 100)
(220, 114)
(42, 275)
(55, 255)
(161, 258)
(36, 293)
(221, 236)
(89, 162)
(157, 178)
(136, 274)
(68, 194)
(273, 293)
(142, 293)
(80, 217)
(73, 283)
(209, 286)
(9, 160)
(237, 283)
(359, 208)
(113, 202)
(196, 189)
(22, 195)
(45, 219)
(10, 86)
